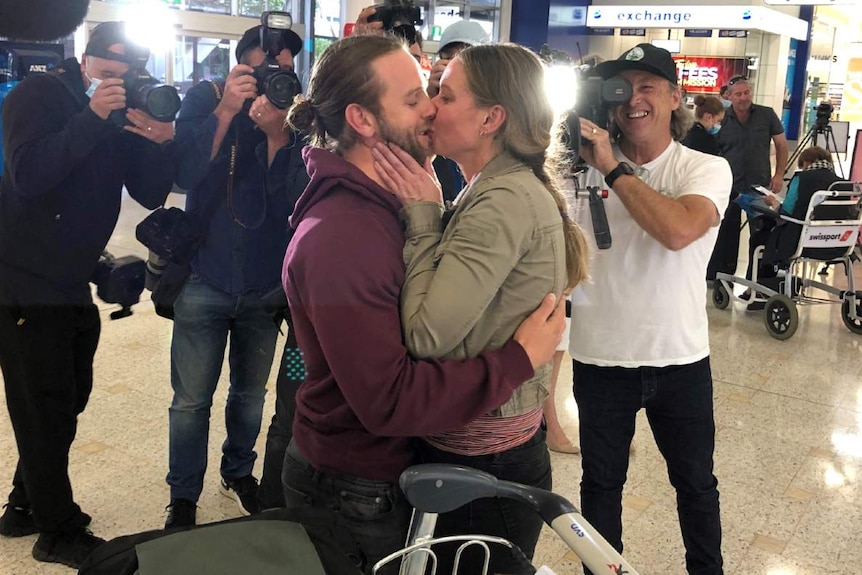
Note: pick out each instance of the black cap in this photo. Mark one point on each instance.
(644, 57)
(106, 35)
(251, 39)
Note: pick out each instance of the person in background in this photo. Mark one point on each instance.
(746, 134)
(708, 113)
(722, 95)
(816, 173)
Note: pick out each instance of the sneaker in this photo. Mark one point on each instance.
(243, 491)
(68, 548)
(181, 513)
(18, 521)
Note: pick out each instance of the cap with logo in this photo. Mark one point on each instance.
(106, 35)
(251, 39)
(644, 57)
(467, 32)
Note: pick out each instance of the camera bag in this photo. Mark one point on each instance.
(176, 235)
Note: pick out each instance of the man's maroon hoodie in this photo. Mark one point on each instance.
(364, 397)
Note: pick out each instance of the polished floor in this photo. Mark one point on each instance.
(788, 455)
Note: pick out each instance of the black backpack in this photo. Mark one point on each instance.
(216, 548)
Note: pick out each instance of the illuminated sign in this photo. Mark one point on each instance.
(706, 74)
(702, 17)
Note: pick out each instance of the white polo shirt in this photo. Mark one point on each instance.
(645, 305)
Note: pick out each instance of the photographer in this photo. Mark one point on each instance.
(65, 167)
(239, 164)
(639, 334)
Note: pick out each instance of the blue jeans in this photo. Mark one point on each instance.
(678, 403)
(204, 318)
(375, 513)
(529, 464)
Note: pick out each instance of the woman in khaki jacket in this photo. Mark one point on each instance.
(470, 282)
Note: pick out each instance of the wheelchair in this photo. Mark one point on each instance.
(828, 235)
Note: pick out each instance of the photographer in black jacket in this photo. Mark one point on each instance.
(65, 167)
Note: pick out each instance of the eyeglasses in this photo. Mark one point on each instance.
(737, 79)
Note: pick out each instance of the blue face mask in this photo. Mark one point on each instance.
(725, 103)
(94, 83)
(714, 129)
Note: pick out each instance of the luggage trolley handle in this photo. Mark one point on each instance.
(438, 488)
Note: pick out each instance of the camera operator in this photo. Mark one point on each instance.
(65, 167)
(235, 153)
(639, 334)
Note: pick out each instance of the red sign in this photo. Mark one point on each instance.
(707, 74)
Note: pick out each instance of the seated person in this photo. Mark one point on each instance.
(780, 238)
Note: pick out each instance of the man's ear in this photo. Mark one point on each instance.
(83, 63)
(361, 120)
(494, 120)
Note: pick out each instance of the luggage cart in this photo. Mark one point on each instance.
(436, 488)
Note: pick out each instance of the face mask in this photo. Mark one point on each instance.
(714, 129)
(94, 83)
(725, 103)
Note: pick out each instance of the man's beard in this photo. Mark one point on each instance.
(405, 139)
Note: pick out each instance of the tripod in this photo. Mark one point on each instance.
(818, 129)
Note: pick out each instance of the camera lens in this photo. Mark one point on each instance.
(281, 89)
(162, 102)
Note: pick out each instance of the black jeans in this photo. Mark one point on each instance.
(529, 464)
(678, 403)
(726, 250)
(374, 512)
(291, 374)
(46, 354)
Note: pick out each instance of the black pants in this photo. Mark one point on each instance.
(679, 408)
(529, 464)
(46, 354)
(291, 374)
(726, 250)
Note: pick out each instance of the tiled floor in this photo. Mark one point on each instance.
(788, 457)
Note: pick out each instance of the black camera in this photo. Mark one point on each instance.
(120, 281)
(145, 93)
(397, 13)
(594, 96)
(823, 114)
(279, 86)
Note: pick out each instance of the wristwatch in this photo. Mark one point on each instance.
(621, 169)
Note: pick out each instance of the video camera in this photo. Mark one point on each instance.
(594, 96)
(823, 113)
(120, 281)
(395, 13)
(279, 86)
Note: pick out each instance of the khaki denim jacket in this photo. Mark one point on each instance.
(469, 286)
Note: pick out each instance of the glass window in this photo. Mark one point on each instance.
(197, 59)
(210, 6)
(258, 7)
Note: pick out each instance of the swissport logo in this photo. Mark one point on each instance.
(832, 236)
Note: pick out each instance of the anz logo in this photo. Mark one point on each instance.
(39, 67)
(597, 14)
(746, 15)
